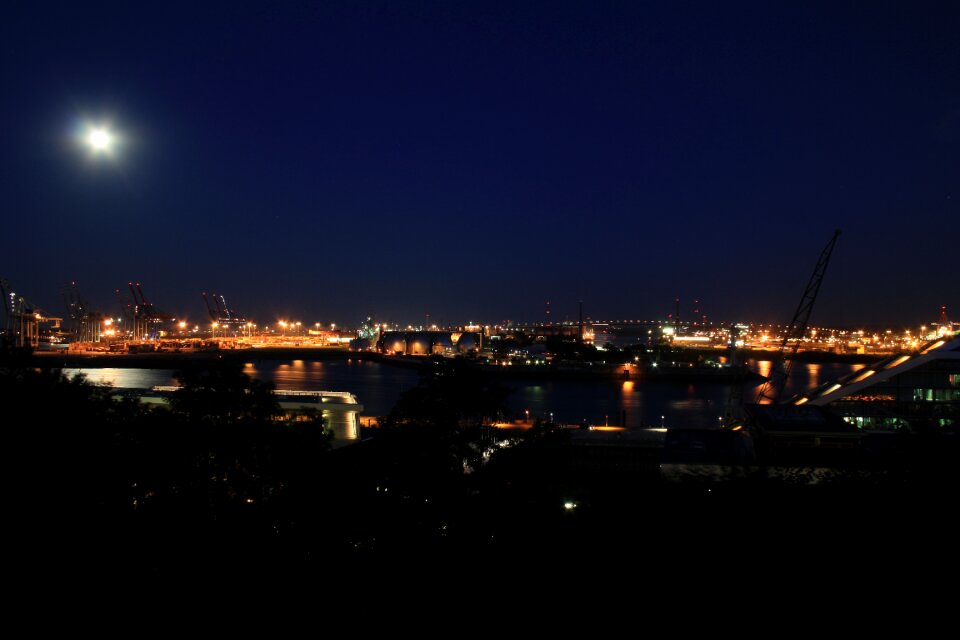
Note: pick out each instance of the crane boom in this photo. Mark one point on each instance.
(780, 371)
(226, 309)
(136, 300)
(143, 298)
(210, 309)
(221, 310)
(126, 306)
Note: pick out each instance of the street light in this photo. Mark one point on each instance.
(213, 329)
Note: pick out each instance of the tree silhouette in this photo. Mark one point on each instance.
(223, 394)
(451, 394)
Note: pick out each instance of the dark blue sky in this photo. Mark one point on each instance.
(471, 160)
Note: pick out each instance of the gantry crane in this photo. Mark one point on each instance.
(84, 324)
(140, 312)
(220, 313)
(22, 319)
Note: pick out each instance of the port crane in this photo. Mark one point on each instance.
(84, 324)
(220, 313)
(139, 311)
(22, 318)
(127, 310)
(796, 330)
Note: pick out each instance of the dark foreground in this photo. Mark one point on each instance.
(393, 503)
(217, 488)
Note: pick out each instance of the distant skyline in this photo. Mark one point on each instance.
(327, 161)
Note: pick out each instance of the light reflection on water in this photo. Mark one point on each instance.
(376, 386)
(126, 378)
(634, 404)
(638, 404)
(763, 367)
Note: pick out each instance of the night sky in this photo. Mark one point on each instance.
(324, 161)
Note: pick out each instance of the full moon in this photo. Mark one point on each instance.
(99, 140)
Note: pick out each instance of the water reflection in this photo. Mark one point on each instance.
(642, 404)
(764, 367)
(126, 378)
(813, 370)
(633, 404)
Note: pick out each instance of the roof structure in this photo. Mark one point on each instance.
(946, 348)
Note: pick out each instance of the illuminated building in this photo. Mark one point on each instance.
(422, 343)
(912, 391)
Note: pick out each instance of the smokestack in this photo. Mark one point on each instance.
(581, 320)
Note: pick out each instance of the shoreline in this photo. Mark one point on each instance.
(164, 360)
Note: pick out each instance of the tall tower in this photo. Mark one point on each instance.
(581, 320)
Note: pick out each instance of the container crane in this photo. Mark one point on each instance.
(780, 371)
(210, 308)
(145, 313)
(84, 324)
(127, 311)
(23, 318)
(220, 313)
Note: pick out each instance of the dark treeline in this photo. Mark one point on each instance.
(221, 481)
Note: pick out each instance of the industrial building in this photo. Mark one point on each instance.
(914, 391)
(425, 343)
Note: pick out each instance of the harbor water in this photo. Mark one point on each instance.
(629, 403)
